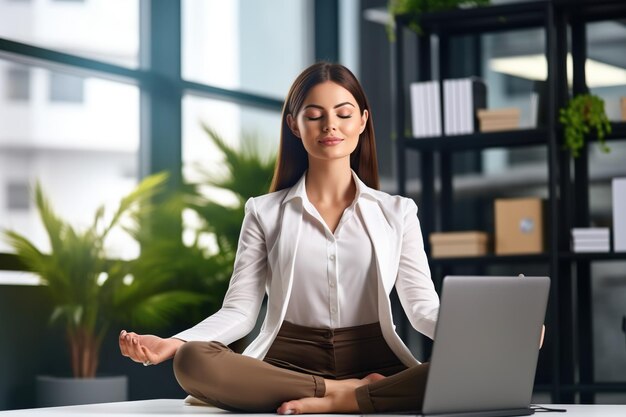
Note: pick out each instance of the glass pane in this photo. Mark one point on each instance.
(514, 70)
(259, 47)
(236, 124)
(514, 65)
(107, 30)
(605, 69)
(83, 151)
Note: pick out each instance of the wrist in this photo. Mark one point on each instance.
(176, 343)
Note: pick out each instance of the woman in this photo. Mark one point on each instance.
(328, 248)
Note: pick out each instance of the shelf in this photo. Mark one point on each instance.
(593, 10)
(489, 259)
(503, 139)
(497, 18)
(593, 256)
(618, 131)
(477, 141)
(617, 387)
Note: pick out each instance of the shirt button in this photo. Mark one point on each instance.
(332, 284)
(333, 310)
(331, 257)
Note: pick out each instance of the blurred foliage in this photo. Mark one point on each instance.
(89, 291)
(582, 114)
(169, 279)
(414, 8)
(192, 263)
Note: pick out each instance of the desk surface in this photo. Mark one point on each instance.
(167, 408)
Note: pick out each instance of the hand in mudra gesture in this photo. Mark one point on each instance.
(147, 348)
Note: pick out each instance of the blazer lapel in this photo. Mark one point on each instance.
(378, 231)
(288, 243)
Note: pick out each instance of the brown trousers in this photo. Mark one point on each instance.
(295, 367)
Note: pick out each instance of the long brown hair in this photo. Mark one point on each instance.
(292, 159)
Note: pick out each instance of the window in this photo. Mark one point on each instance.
(107, 30)
(17, 83)
(88, 153)
(233, 122)
(81, 154)
(258, 47)
(66, 88)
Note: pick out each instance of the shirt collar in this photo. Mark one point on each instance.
(299, 190)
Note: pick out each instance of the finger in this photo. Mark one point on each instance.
(122, 343)
(137, 351)
(128, 346)
(150, 356)
(124, 346)
(133, 347)
(130, 340)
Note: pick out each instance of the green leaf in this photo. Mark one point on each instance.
(584, 115)
(158, 309)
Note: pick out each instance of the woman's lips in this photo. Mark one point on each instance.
(331, 141)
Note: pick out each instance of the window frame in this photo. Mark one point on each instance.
(160, 82)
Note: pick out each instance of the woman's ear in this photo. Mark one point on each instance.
(293, 125)
(364, 118)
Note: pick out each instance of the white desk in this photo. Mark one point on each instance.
(168, 408)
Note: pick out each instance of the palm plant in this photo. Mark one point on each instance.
(89, 291)
(244, 173)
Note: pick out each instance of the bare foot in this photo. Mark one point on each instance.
(374, 377)
(340, 398)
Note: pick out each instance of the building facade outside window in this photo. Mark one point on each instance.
(77, 131)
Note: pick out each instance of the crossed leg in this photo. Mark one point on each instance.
(213, 373)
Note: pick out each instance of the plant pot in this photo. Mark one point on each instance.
(56, 391)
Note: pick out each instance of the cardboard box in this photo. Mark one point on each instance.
(498, 119)
(623, 104)
(519, 226)
(458, 244)
(458, 237)
(619, 214)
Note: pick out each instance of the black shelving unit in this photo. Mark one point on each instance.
(570, 350)
(575, 193)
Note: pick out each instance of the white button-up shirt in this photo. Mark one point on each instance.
(334, 274)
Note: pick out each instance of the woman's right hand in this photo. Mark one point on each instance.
(146, 348)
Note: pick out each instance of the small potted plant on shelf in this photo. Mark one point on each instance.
(584, 113)
(414, 8)
(90, 292)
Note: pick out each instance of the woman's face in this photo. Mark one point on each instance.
(329, 122)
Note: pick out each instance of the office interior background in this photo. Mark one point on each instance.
(96, 94)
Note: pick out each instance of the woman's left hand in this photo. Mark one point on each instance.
(543, 333)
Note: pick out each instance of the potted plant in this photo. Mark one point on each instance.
(584, 113)
(90, 292)
(206, 267)
(414, 8)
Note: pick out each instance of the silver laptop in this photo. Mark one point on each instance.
(486, 346)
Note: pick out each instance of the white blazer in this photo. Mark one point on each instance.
(265, 264)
